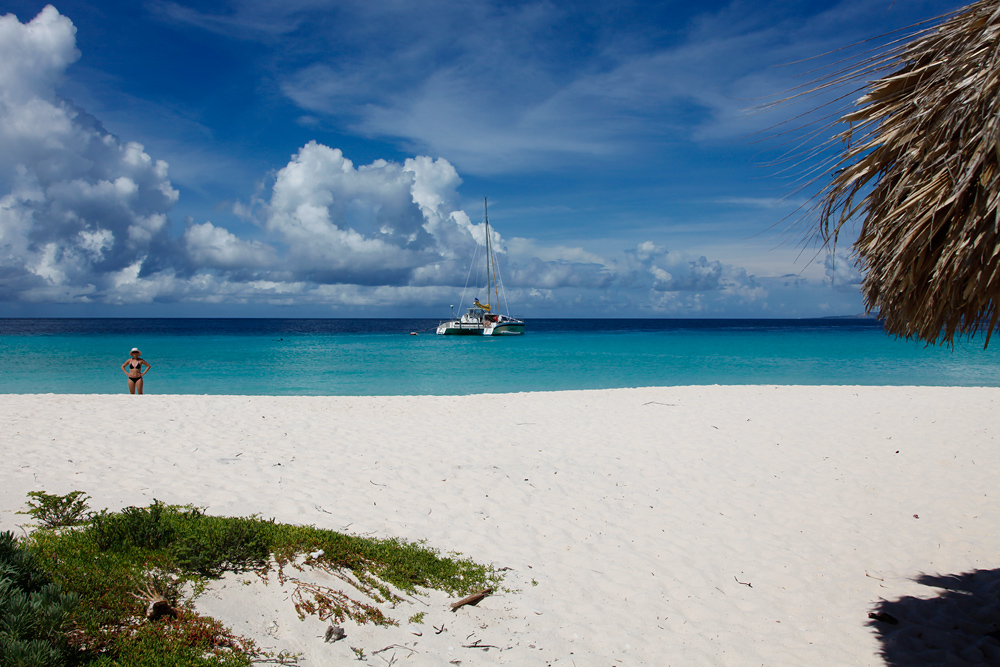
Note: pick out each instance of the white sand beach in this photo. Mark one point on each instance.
(707, 525)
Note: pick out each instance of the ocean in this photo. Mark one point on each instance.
(323, 357)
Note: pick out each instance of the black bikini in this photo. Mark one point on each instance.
(135, 366)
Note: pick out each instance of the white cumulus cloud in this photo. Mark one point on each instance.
(216, 247)
(381, 223)
(78, 204)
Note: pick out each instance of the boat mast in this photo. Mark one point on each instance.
(486, 219)
(490, 259)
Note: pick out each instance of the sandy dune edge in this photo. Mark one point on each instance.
(662, 526)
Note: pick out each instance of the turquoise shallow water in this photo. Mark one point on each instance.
(379, 357)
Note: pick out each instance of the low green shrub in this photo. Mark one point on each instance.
(58, 511)
(207, 545)
(211, 545)
(153, 527)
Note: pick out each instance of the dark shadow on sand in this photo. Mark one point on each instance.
(960, 625)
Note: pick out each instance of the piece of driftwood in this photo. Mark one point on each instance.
(471, 599)
(157, 605)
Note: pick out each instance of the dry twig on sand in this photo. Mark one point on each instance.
(471, 599)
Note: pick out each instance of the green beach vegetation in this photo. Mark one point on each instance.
(116, 588)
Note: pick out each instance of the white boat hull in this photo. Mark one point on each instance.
(462, 327)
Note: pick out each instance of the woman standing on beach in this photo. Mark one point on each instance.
(133, 369)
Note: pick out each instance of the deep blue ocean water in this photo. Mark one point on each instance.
(379, 357)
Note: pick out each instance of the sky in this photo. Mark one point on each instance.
(308, 158)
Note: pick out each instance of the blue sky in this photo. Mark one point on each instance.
(330, 159)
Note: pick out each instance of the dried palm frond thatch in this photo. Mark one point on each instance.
(920, 163)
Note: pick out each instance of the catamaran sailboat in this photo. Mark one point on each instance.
(484, 319)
